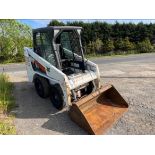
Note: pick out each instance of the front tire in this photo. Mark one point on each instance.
(41, 86)
(56, 97)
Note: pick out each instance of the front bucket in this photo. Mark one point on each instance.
(99, 110)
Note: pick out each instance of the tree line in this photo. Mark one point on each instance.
(13, 37)
(104, 38)
(97, 38)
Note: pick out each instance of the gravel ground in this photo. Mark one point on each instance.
(134, 80)
(35, 115)
(136, 83)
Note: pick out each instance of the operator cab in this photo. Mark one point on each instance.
(60, 46)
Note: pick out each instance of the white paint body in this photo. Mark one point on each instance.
(54, 75)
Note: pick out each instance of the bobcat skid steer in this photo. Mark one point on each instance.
(58, 69)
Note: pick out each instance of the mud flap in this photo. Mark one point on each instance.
(98, 111)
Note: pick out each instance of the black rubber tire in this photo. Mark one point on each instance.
(42, 87)
(56, 96)
(89, 88)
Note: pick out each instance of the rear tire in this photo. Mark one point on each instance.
(56, 97)
(41, 86)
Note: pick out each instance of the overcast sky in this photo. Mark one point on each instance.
(35, 23)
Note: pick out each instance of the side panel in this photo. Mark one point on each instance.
(37, 65)
(42, 66)
(94, 68)
(30, 71)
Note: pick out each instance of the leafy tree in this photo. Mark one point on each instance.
(56, 23)
(141, 32)
(125, 36)
(90, 48)
(127, 45)
(98, 45)
(123, 44)
(145, 46)
(119, 45)
(108, 46)
(13, 37)
(94, 47)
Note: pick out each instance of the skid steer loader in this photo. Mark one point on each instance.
(58, 69)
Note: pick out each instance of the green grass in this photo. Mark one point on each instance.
(6, 93)
(7, 102)
(11, 62)
(7, 127)
(12, 59)
(114, 54)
